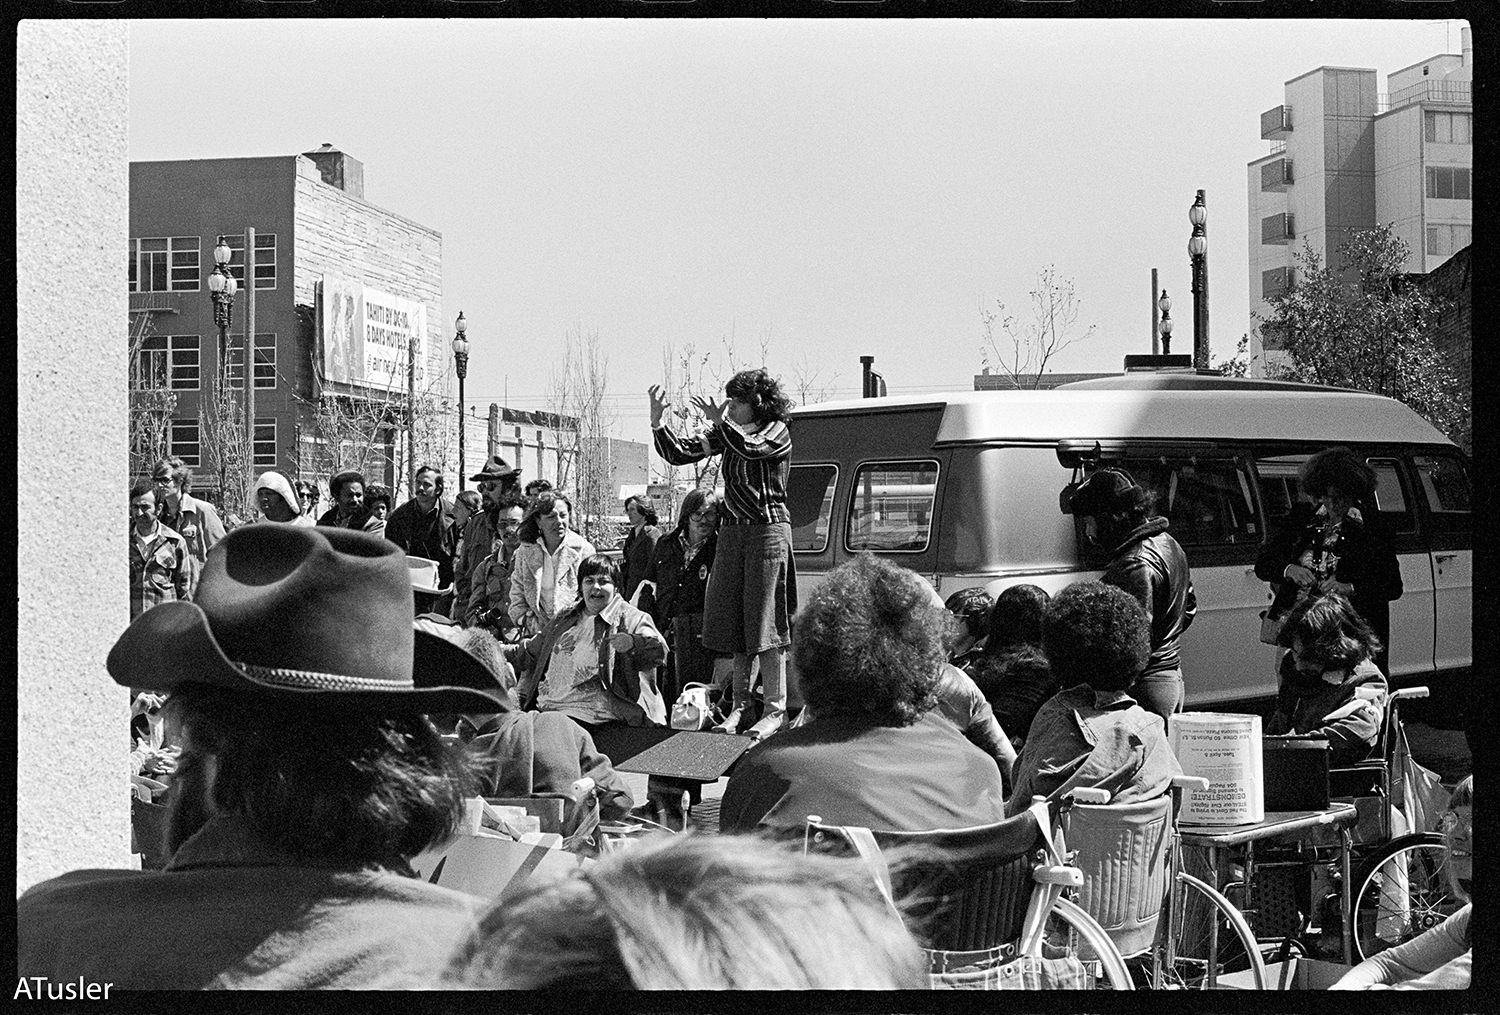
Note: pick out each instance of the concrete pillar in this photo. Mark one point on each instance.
(72, 186)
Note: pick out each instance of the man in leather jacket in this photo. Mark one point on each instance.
(1147, 562)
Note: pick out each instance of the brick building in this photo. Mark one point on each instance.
(1451, 284)
(326, 263)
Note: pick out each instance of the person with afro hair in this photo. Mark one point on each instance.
(1093, 733)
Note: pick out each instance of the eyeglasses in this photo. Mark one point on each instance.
(597, 580)
(161, 480)
(705, 515)
(1453, 822)
(489, 487)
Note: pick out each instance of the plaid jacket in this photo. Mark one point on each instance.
(162, 574)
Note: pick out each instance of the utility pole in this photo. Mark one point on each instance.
(249, 365)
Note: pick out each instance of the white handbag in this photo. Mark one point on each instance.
(692, 711)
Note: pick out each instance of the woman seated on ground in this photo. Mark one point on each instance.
(871, 645)
(1012, 669)
(1329, 683)
(1093, 733)
(1440, 957)
(595, 662)
(517, 753)
(695, 913)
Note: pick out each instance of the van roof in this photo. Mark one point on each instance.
(1159, 407)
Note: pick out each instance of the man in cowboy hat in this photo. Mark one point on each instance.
(309, 776)
(496, 479)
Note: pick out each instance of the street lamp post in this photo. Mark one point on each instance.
(1198, 254)
(1165, 303)
(461, 364)
(221, 289)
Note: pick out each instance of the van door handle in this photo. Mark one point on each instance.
(1443, 558)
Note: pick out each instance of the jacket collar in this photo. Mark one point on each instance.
(1151, 526)
(229, 841)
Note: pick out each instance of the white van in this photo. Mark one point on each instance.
(964, 489)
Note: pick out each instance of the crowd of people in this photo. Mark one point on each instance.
(327, 724)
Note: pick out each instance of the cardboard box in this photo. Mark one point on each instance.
(1296, 973)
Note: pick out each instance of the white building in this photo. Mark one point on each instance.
(1346, 157)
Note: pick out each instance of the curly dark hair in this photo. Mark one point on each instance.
(1016, 619)
(377, 494)
(339, 480)
(1096, 634)
(762, 391)
(871, 644)
(1331, 632)
(1338, 467)
(141, 487)
(326, 784)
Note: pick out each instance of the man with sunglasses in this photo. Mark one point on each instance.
(195, 520)
(497, 479)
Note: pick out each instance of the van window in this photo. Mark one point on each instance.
(1390, 495)
(891, 506)
(1279, 489)
(1445, 484)
(809, 495)
(1207, 500)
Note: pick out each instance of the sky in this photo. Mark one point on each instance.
(825, 189)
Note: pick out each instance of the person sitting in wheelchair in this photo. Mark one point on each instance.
(1329, 683)
(1093, 733)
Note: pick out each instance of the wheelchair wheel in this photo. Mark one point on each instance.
(1115, 975)
(1187, 967)
(1399, 892)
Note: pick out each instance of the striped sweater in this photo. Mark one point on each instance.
(756, 465)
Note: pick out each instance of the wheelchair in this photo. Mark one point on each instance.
(989, 904)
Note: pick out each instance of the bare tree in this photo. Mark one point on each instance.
(808, 382)
(1026, 347)
(585, 461)
(225, 448)
(152, 403)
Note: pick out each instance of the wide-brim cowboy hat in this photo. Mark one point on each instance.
(318, 615)
(496, 468)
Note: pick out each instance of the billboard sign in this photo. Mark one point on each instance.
(367, 335)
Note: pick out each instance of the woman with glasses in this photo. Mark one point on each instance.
(1440, 957)
(596, 661)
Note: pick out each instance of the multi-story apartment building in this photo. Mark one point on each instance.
(1345, 157)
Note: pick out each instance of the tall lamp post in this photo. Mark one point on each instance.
(1198, 254)
(221, 289)
(1165, 303)
(461, 364)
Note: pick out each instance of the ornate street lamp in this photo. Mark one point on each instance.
(1198, 255)
(221, 288)
(1165, 303)
(461, 364)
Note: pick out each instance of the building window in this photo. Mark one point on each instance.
(1443, 240)
(164, 264)
(265, 361)
(1275, 282)
(168, 361)
(185, 443)
(265, 441)
(1451, 182)
(1450, 128)
(265, 258)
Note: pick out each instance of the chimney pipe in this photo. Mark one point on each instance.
(866, 364)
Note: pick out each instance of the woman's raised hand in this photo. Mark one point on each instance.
(659, 404)
(712, 411)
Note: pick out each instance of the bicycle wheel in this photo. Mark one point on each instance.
(1187, 971)
(1400, 892)
(1086, 927)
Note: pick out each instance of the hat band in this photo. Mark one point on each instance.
(322, 681)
